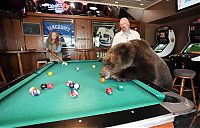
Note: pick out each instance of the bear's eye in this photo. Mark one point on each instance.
(109, 65)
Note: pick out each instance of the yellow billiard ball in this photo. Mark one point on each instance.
(50, 73)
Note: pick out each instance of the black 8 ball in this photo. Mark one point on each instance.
(43, 86)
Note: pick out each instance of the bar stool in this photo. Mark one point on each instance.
(184, 74)
(2, 76)
(83, 54)
(42, 61)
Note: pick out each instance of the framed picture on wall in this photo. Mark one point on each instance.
(32, 29)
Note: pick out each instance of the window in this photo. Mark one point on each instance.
(29, 28)
(65, 28)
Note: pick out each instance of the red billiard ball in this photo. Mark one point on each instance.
(68, 83)
(50, 85)
(74, 93)
(109, 91)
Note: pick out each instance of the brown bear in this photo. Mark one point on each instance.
(136, 60)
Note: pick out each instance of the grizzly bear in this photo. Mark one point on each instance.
(136, 60)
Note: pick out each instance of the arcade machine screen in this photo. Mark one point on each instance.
(193, 48)
(161, 39)
(160, 47)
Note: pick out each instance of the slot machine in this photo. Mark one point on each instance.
(165, 39)
(189, 57)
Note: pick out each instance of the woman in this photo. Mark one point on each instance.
(53, 44)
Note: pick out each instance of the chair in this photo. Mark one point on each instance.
(42, 61)
(83, 54)
(2, 76)
(184, 74)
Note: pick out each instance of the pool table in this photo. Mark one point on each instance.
(139, 104)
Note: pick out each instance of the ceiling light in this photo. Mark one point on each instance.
(141, 4)
(93, 8)
(116, 2)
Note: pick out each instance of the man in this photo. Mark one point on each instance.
(125, 34)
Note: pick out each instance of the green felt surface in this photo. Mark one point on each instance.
(20, 108)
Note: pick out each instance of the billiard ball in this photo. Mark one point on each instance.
(76, 86)
(50, 73)
(32, 88)
(102, 79)
(77, 69)
(50, 86)
(74, 93)
(109, 91)
(68, 83)
(93, 66)
(64, 63)
(120, 87)
(36, 92)
(71, 85)
(43, 86)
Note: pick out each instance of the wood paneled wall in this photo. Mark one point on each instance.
(12, 38)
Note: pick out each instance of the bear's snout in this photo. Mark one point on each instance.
(105, 73)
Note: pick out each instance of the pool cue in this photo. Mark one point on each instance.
(52, 53)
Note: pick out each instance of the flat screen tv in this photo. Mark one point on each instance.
(184, 4)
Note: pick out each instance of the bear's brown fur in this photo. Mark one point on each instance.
(136, 60)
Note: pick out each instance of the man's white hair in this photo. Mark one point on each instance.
(125, 19)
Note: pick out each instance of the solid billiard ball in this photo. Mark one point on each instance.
(109, 91)
(32, 88)
(50, 73)
(74, 93)
(120, 87)
(43, 86)
(36, 92)
(76, 86)
(50, 86)
(71, 85)
(102, 79)
(93, 66)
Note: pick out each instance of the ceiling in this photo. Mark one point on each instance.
(122, 3)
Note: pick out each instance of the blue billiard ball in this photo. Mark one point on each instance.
(36, 92)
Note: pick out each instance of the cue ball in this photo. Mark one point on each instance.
(36, 92)
(76, 86)
(77, 69)
(109, 91)
(43, 86)
(74, 93)
(50, 73)
(93, 66)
